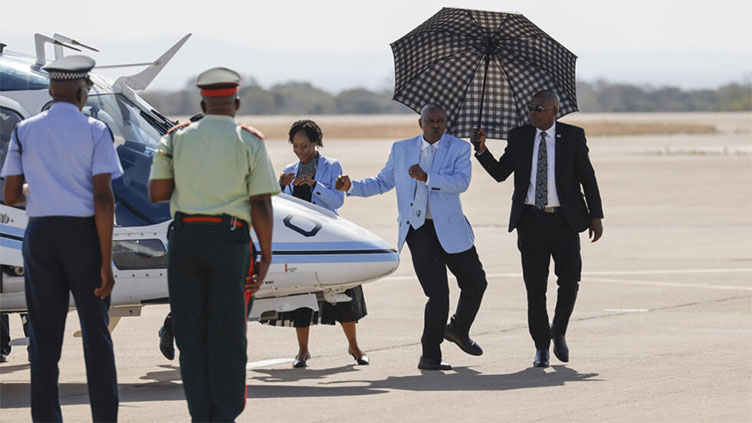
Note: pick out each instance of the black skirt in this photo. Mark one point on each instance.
(328, 314)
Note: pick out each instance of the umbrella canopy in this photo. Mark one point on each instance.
(483, 68)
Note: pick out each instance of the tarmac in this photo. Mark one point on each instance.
(661, 330)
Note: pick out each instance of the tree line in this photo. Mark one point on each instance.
(295, 98)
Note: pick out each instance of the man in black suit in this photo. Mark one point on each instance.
(550, 162)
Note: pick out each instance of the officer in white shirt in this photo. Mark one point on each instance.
(68, 160)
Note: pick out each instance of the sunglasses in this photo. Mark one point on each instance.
(537, 108)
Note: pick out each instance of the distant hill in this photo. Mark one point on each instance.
(296, 98)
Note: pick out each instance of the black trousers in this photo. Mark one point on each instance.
(206, 270)
(5, 347)
(430, 262)
(4, 334)
(541, 236)
(61, 256)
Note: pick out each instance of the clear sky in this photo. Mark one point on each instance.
(338, 44)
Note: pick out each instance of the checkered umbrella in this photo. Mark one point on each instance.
(483, 68)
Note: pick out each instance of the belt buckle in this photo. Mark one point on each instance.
(233, 223)
(549, 209)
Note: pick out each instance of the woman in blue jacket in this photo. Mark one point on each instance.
(312, 179)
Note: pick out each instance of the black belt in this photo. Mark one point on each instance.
(543, 210)
(62, 219)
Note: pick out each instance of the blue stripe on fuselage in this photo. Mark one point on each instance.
(10, 243)
(349, 245)
(12, 230)
(281, 258)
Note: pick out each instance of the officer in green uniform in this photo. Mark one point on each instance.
(219, 180)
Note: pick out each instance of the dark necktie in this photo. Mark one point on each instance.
(541, 176)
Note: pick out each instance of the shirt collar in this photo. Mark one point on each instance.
(220, 118)
(425, 144)
(64, 107)
(550, 132)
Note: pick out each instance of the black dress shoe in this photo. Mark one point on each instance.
(363, 360)
(166, 342)
(433, 364)
(463, 341)
(541, 358)
(561, 350)
(300, 364)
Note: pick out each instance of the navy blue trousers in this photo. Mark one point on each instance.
(62, 256)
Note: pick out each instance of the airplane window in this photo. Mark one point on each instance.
(139, 254)
(123, 118)
(16, 76)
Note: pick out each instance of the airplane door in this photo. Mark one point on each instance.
(12, 219)
(12, 226)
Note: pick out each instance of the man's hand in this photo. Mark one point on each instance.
(304, 180)
(286, 178)
(252, 285)
(416, 172)
(596, 229)
(479, 140)
(343, 183)
(108, 281)
(258, 278)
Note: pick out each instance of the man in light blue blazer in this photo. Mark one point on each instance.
(429, 172)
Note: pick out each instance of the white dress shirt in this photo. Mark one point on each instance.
(553, 196)
(425, 145)
(58, 152)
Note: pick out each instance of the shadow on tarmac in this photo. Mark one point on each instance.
(459, 379)
(165, 386)
(4, 370)
(162, 385)
(294, 375)
(171, 374)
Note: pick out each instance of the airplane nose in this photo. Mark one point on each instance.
(317, 248)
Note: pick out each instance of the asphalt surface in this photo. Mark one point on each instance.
(661, 329)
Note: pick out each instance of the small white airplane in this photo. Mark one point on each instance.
(316, 254)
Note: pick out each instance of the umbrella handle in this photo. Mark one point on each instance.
(487, 59)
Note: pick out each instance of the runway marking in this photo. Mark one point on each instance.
(270, 362)
(668, 272)
(636, 282)
(626, 310)
(671, 284)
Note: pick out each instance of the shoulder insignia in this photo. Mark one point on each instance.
(112, 137)
(176, 127)
(171, 134)
(253, 130)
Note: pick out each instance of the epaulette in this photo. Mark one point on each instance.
(176, 127)
(253, 130)
(171, 134)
